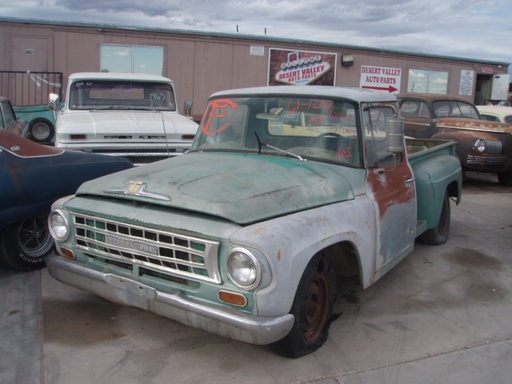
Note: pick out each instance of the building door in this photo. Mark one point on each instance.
(483, 88)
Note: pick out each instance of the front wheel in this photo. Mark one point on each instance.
(505, 179)
(25, 246)
(439, 234)
(312, 308)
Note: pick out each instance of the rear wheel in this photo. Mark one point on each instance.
(312, 309)
(439, 234)
(25, 246)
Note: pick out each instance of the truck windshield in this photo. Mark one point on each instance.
(102, 94)
(302, 127)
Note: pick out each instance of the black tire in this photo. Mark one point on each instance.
(312, 308)
(25, 246)
(505, 179)
(439, 234)
(41, 130)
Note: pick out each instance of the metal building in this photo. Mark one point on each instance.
(203, 63)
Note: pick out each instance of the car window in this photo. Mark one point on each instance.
(489, 117)
(414, 108)
(508, 119)
(454, 108)
(9, 118)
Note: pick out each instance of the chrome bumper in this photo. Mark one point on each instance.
(221, 321)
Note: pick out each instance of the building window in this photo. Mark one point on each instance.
(425, 81)
(132, 59)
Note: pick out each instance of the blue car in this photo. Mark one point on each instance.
(32, 177)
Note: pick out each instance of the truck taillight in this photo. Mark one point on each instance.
(187, 137)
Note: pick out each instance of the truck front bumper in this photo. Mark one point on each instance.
(176, 306)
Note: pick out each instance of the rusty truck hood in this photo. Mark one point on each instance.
(243, 188)
(472, 124)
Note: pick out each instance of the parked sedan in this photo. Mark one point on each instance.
(496, 113)
(483, 146)
(32, 177)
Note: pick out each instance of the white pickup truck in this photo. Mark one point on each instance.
(121, 114)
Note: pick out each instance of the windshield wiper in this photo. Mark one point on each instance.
(260, 145)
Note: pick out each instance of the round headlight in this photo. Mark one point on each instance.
(480, 145)
(59, 226)
(243, 268)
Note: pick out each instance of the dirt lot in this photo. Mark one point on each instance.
(442, 315)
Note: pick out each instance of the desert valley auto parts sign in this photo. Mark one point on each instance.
(319, 68)
(381, 78)
(301, 67)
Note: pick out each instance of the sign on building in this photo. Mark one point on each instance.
(301, 67)
(381, 78)
(466, 82)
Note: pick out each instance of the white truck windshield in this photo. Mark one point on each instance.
(109, 94)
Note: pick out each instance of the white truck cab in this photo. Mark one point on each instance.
(122, 114)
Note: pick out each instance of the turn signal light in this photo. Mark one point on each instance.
(233, 298)
(66, 252)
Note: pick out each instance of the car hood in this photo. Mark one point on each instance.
(243, 188)
(473, 124)
(138, 124)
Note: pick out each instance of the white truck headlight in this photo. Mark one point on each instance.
(243, 268)
(480, 145)
(59, 225)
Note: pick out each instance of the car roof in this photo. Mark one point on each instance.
(353, 93)
(498, 110)
(117, 76)
(430, 97)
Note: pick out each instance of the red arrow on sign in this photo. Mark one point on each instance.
(389, 89)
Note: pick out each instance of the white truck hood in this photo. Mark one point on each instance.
(138, 124)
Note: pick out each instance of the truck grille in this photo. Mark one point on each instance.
(146, 251)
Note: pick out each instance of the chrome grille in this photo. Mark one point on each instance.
(493, 147)
(142, 249)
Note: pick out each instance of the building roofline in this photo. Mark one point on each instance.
(244, 37)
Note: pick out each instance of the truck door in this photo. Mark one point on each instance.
(390, 183)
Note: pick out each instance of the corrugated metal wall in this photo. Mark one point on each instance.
(201, 64)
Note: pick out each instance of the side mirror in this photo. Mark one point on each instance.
(187, 108)
(395, 134)
(53, 102)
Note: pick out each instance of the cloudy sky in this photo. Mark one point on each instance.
(474, 29)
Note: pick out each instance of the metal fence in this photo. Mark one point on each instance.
(28, 88)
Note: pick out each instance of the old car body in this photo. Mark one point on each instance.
(502, 114)
(32, 177)
(483, 146)
(9, 120)
(243, 236)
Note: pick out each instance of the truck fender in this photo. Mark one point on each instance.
(290, 242)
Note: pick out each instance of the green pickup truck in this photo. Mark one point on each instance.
(285, 190)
